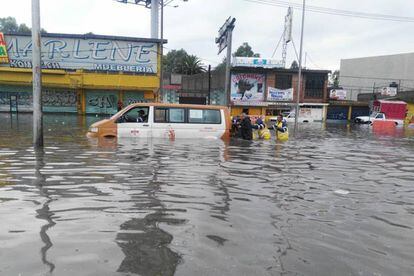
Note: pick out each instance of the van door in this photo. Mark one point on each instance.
(169, 122)
(136, 122)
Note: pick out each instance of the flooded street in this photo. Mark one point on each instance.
(336, 200)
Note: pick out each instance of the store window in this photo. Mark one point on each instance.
(283, 81)
(314, 86)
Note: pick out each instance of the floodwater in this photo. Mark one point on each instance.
(336, 200)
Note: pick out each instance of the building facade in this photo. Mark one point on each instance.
(254, 90)
(84, 74)
(272, 91)
(373, 74)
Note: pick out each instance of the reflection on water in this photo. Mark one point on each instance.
(43, 212)
(335, 200)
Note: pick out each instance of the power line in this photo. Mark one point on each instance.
(373, 78)
(311, 60)
(331, 11)
(277, 46)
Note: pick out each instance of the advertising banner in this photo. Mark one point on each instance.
(257, 62)
(247, 89)
(337, 94)
(83, 52)
(389, 91)
(275, 94)
(3, 50)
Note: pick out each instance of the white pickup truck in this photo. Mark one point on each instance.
(375, 116)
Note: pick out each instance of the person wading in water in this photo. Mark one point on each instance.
(246, 127)
(281, 128)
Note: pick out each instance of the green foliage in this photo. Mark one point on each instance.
(294, 65)
(9, 25)
(221, 66)
(180, 62)
(173, 61)
(334, 78)
(245, 50)
(193, 65)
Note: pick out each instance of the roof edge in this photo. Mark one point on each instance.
(93, 36)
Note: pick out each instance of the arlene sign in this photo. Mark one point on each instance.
(88, 52)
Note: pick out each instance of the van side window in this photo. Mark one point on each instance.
(160, 115)
(135, 115)
(177, 115)
(204, 116)
(169, 115)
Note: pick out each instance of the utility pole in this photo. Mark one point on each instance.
(161, 47)
(300, 69)
(37, 76)
(209, 85)
(154, 18)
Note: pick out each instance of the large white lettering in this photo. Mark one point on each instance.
(116, 49)
(56, 47)
(86, 53)
(96, 49)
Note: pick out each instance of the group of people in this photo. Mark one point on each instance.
(243, 127)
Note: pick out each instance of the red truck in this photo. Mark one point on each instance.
(386, 110)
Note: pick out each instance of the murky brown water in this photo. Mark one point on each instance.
(336, 200)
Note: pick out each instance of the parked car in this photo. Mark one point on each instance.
(290, 118)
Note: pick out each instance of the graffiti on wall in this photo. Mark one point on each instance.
(104, 101)
(53, 100)
(60, 98)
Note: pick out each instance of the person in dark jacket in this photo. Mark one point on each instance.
(246, 127)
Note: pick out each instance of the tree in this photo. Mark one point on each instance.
(222, 65)
(180, 62)
(192, 65)
(294, 65)
(9, 25)
(173, 61)
(334, 78)
(245, 50)
(23, 29)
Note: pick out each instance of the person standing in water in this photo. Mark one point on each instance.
(281, 128)
(246, 127)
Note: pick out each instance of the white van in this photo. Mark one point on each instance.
(170, 121)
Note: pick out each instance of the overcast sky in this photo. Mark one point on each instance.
(194, 25)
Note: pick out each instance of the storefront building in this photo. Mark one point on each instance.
(263, 88)
(84, 74)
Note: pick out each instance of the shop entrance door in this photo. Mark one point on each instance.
(14, 107)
